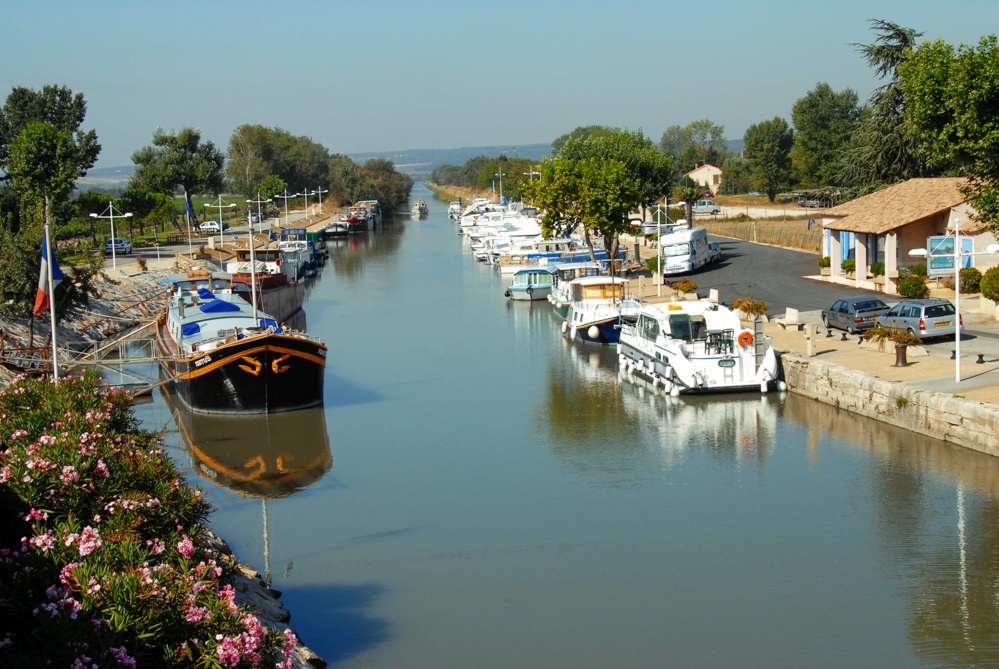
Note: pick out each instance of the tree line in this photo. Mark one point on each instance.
(933, 115)
(43, 151)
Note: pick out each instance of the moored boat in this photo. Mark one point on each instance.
(565, 273)
(420, 209)
(697, 347)
(531, 283)
(598, 309)
(224, 356)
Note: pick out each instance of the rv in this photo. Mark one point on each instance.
(684, 251)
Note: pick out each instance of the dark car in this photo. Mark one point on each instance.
(923, 318)
(714, 252)
(854, 314)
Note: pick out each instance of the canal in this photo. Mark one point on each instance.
(478, 493)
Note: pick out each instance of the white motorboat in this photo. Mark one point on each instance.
(565, 273)
(697, 347)
(531, 283)
(599, 308)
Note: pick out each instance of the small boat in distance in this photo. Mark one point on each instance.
(420, 209)
(224, 356)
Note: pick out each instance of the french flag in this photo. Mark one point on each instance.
(42, 297)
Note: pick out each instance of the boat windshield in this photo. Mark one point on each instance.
(672, 250)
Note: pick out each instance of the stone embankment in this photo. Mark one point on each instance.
(958, 420)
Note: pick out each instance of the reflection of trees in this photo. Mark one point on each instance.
(937, 512)
(350, 255)
(583, 417)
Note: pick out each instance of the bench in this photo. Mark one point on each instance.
(790, 318)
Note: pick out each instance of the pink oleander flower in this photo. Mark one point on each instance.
(5, 474)
(157, 546)
(43, 542)
(18, 434)
(186, 547)
(35, 514)
(124, 659)
(69, 475)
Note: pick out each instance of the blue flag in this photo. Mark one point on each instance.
(811, 222)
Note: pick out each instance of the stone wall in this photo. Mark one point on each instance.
(959, 421)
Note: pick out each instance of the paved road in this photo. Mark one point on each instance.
(776, 276)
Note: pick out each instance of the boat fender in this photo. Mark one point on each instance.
(530, 291)
(506, 294)
(593, 332)
(572, 332)
(565, 326)
(764, 386)
(745, 338)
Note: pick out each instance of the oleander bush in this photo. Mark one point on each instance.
(989, 285)
(913, 285)
(880, 335)
(103, 559)
(919, 269)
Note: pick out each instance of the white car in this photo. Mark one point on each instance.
(714, 252)
(705, 207)
(209, 227)
(118, 245)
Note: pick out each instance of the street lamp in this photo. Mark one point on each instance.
(109, 214)
(253, 260)
(320, 192)
(500, 175)
(956, 257)
(530, 173)
(286, 197)
(306, 193)
(220, 206)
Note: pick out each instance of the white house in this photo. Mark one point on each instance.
(707, 176)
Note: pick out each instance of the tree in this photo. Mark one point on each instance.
(951, 101)
(56, 105)
(823, 122)
(246, 166)
(697, 143)
(883, 149)
(596, 194)
(651, 169)
(768, 150)
(178, 160)
(44, 164)
(688, 195)
(582, 132)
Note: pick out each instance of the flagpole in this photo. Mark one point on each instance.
(52, 311)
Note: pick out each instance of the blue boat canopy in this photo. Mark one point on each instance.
(205, 294)
(189, 329)
(218, 307)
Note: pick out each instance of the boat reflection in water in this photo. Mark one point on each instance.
(263, 455)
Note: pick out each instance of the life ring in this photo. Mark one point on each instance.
(745, 338)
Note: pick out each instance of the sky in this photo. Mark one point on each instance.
(383, 75)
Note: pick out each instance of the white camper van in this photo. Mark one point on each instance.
(684, 251)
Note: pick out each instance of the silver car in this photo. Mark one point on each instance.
(854, 314)
(923, 318)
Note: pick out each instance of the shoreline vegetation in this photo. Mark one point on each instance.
(105, 553)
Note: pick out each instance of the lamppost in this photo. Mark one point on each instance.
(955, 256)
(531, 173)
(286, 197)
(220, 206)
(109, 214)
(253, 260)
(320, 192)
(500, 175)
(306, 193)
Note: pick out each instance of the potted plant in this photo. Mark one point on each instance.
(752, 309)
(901, 339)
(848, 266)
(824, 263)
(684, 286)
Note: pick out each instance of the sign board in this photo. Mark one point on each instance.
(939, 256)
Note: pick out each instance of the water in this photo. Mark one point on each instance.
(489, 496)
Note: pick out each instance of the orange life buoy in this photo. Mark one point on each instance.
(745, 338)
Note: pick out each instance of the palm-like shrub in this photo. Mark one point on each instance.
(750, 306)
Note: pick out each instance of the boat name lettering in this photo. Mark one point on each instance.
(726, 362)
(203, 361)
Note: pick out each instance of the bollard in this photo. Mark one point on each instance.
(811, 330)
(828, 333)
(981, 359)
(843, 338)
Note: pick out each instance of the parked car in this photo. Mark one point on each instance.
(213, 226)
(705, 207)
(854, 314)
(714, 252)
(118, 245)
(924, 318)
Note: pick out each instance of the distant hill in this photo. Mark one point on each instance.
(417, 163)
